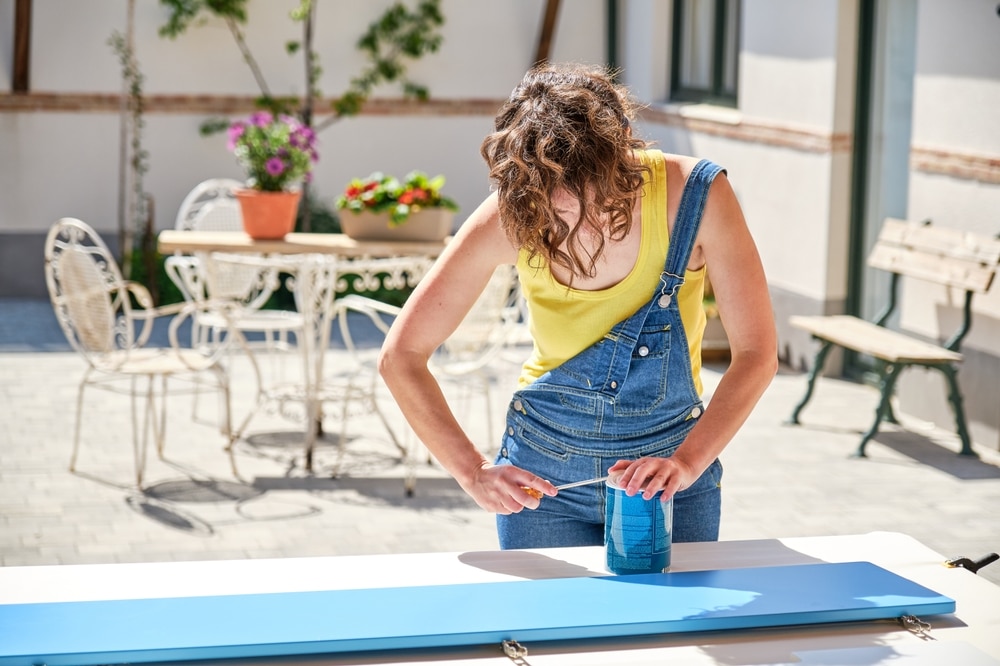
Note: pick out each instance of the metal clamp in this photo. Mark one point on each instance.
(972, 565)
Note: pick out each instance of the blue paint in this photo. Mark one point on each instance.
(300, 623)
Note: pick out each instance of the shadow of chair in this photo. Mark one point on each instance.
(109, 321)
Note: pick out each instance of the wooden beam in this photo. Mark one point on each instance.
(547, 35)
(22, 47)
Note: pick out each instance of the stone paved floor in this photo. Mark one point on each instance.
(780, 481)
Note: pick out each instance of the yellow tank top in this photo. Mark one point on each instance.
(564, 321)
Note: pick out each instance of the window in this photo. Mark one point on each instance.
(705, 51)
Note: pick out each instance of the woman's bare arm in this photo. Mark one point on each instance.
(727, 248)
(432, 313)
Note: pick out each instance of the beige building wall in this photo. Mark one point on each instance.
(788, 148)
(59, 146)
(788, 144)
(955, 181)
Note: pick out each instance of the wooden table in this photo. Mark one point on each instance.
(318, 263)
(969, 636)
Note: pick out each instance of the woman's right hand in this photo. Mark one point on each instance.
(506, 489)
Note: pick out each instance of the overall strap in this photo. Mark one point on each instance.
(688, 220)
(626, 332)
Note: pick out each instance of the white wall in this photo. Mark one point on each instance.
(788, 61)
(957, 87)
(791, 78)
(955, 107)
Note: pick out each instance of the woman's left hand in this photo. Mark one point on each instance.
(651, 475)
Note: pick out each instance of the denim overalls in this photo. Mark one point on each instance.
(629, 395)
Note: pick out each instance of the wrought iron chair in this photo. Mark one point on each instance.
(211, 206)
(356, 386)
(109, 320)
(462, 361)
(242, 284)
(467, 357)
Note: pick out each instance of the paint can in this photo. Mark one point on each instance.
(637, 531)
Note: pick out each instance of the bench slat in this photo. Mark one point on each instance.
(944, 256)
(942, 240)
(867, 338)
(949, 271)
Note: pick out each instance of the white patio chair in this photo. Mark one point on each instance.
(94, 307)
(468, 356)
(243, 283)
(351, 389)
(211, 206)
(356, 386)
(462, 361)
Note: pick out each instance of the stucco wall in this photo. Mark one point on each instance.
(956, 97)
(54, 164)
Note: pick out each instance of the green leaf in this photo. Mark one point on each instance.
(213, 126)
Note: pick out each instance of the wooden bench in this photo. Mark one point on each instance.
(948, 257)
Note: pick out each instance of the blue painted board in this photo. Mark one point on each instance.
(281, 624)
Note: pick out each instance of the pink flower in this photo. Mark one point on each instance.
(275, 166)
(236, 130)
(261, 119)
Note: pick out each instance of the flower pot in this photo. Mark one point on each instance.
(268, 215)
(428, 224)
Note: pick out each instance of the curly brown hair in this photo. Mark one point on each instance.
(565, 126)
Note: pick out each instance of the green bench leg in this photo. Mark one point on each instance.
(887, 385)
(890, 413)
(813, 375)
(955, 398)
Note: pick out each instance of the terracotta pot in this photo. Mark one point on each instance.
(268, 215)
(429, 224)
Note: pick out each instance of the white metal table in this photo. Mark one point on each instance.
(322, 266)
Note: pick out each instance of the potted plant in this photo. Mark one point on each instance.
(277, 153)
(382, 207)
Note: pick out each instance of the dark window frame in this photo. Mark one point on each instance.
(716, 92)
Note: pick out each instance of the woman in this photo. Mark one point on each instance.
(612, 264)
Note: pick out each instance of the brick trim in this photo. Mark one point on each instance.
(229, 104)
(966, 166)
(925, 159)
(753, 131)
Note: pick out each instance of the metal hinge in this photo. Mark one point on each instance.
(917, 627)
(515, 651)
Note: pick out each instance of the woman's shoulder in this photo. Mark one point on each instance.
(482, 230)
(677, 164)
